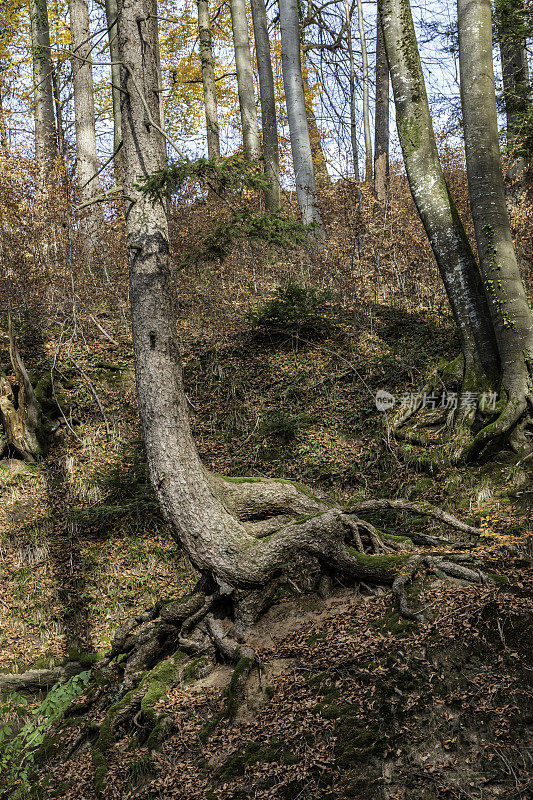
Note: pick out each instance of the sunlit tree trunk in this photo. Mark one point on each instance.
(84, 117)
(268, 102)
(157, 81)
(509, 308)
(366, 95)
(245, 80)
(435, 205)
(353, 99)
(59, 114)
(111, 18)
(208, 80)
(517, 94)
(4, 144)
(381, 120)
(296, 112)
(317, 151)
(45, 130)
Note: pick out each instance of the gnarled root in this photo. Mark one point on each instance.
(316, 541)
(458, 411)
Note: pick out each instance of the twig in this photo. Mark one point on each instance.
(105, 333)
(111, 157)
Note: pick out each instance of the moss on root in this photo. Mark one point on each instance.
(236, 686)
(378, 561)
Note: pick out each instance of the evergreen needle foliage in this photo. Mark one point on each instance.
(229, 178)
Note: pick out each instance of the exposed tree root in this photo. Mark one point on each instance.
(315, 542)
(38, 680)
(453, 412)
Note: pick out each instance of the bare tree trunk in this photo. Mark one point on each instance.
(381, 120)
(245, 80)
(296, 112)
(20, 414)
(317, 151)
(353, 99)
(4, 144)
(435, 205)
(84, 117)
(366, 98)
(268, 103)
(516, 83)
(59, 114)
(208, 80)
(45, 130)
(243, 536)
(509, 309)
(157, 86)
(111, 17)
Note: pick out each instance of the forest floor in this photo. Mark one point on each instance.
(351, 701)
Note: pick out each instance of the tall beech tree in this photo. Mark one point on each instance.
(381, 117)
(353, 98)
(366, 92)
(485, 315)
(302, 156)
(208, 79)
(245, 80)
(514, 23)
(45, 130)
(268, 103)
(111, 19)
(84, 117)
(435, 205)
(245, 536)
(510, 312)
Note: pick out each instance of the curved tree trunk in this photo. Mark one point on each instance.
(296, 112)
(84, 117)
(208, 80)
(242, 535)
(381, 121)
(268, 103)
(437, 211)
(509, 308)
(245, 80)
(111, 18)
(366, 100)
(45, 130)
(516, 83)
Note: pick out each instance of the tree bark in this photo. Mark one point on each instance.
(20, 413)
(353, 99)
(59, 114)
(509, 309)
(84, 117)
(366, 98)
(208, 80)
(296, 112)
(45, 130)
(268, 103)
(220, 523)
(317, 151)
(381, 120)
(152, 27)
(245, 80)
(435, 205)
(4, 143)
(517, 97)
(111, 18)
